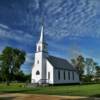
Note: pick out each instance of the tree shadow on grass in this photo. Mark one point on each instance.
(95, 95)
(19, 91)
(7, 98)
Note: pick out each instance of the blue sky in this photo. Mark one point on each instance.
(72, 27)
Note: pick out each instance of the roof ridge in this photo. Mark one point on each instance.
(57, 57)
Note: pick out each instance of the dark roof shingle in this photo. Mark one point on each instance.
(60, 63)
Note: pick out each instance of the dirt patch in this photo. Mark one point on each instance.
(17, 96)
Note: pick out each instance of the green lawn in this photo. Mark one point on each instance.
(74, 90)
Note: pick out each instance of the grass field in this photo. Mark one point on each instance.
(73, 90)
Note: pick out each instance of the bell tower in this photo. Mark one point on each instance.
(39, 67)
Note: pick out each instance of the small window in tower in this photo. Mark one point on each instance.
(39, 48)
(38, 62)
(37, 73)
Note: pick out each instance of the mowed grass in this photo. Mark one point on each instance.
(73, 90)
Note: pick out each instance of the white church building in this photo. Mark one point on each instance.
(50, 69)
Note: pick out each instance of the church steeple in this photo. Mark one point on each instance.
(42, 45)
(42, 34)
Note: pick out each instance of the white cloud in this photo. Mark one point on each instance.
(71, 18)
(17, 35)
(3, 26)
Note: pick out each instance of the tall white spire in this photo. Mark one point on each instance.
(42, 34)
(42, 45)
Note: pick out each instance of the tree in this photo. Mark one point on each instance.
(0, 72)
(98, 70)
(90, 66)
(90, 69)
(98, 73)
(11, 60)
(78, 63)
(22, 77)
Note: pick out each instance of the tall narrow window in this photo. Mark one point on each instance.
(58, 75)
(48, 75)
(73, 75)
(69, 75)
(64, 75)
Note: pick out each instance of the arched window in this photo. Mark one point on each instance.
(37, 73)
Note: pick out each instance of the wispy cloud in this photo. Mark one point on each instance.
(17, 35)
(74, 18)
(62, 18)
(4, 26)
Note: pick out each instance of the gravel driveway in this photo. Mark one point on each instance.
(17, 96)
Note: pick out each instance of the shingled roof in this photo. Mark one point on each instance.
(60, 63)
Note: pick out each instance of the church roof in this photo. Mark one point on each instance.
(60, 63)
